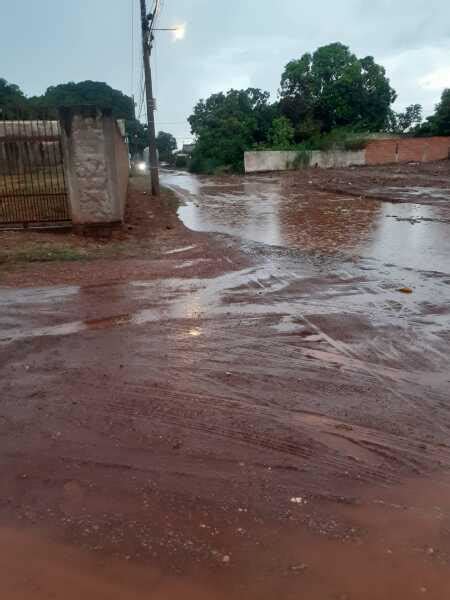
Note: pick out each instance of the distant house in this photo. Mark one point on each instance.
(186, 151)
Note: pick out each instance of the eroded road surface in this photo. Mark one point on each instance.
(277, 428)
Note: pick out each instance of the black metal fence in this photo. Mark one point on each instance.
(32, 182)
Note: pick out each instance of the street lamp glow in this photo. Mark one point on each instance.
(179, 32)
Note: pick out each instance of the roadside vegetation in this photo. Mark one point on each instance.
(330, 99)
(15, 105)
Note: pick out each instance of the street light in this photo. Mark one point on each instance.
(179, 31)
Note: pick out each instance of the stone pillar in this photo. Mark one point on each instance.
(91, 143)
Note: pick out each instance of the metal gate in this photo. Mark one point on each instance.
(32, 182)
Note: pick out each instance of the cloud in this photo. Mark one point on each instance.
(237, 43)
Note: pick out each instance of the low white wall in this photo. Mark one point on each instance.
(270, 160)
(273, 160)
(337, 159)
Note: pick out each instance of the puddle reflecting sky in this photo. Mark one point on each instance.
(260, 209)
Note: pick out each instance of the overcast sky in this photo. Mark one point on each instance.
(228, 43)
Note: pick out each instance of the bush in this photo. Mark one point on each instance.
(338, 139)
(181, 162)
(302, 160)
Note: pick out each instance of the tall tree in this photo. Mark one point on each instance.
(227, 124)
(102, 95)
(403, 122)
(441, 119)
(90, 92)
(12, 100)
(333, 88)
(439, 122)
(166, 144)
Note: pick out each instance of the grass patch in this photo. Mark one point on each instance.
(39, 253)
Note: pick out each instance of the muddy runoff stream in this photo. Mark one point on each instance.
(279, 429)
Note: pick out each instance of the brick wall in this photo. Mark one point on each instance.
(394, 150)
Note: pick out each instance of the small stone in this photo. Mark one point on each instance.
(298, 500)
(423, 590)
(297, 568)
(344, 427)
(226, 559)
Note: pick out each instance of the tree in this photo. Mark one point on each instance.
(102, 95)
(91, 92)
(281, 134)
(166, 144)
(12, 100)
(227, 124)
(333, 88)
(402, 122)
(14, 103)
(441, 119)
(137, 137)
(439, 123)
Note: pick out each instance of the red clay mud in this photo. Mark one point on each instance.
(252, 413)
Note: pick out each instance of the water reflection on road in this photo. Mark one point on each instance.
(265, 209)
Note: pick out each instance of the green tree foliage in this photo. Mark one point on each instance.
(281, 134)
(166, 144)
(104, 96)
(441, 119)
(227, 124)
(91, 92)
(137, 134)
(439, 123)
(333, 88)
(403, 122)
(12, 99)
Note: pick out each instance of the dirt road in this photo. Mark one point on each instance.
(260, 408)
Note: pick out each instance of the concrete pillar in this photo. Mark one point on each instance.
(93, 161)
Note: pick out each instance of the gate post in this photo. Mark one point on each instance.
(96, 165)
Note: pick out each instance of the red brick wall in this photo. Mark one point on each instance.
(393, 150)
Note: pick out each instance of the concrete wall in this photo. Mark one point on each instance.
(336, 159)
(259, 162)
(377, 152)
(269, 160)
(96, 165)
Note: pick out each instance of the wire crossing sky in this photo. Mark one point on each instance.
(237, 43)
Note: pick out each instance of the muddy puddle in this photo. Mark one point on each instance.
(264, 210)
(388, 544)
(277, 427)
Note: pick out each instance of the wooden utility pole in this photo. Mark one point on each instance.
(147, 39)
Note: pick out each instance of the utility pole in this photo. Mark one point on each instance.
(147, 39)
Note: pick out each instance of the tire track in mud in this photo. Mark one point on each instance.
(313, 448)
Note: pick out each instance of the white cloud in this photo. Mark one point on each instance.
(437, 80)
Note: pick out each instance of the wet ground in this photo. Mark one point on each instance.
(267, 419)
